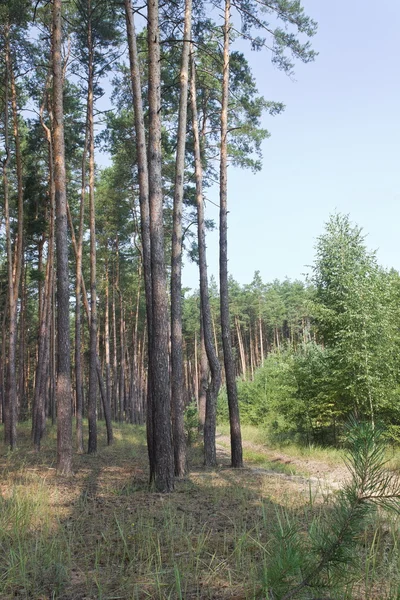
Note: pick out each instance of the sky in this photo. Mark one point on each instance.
(335, 148)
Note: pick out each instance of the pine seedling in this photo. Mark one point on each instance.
(321, 561)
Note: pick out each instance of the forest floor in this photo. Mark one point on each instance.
(102, 534)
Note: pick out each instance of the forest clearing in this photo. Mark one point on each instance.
(102, 534)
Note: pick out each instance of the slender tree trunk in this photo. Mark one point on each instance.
(163, 450)
(252, 343)
(210, 454)
(106, 406)
(42, 371)
(234, 419)
(203, 378)
(78, 300)
(107, 336)
(241, 348)
(115, 358)
(46, 301)
(134, 387)
(261, 340)
(122, 369)
(19, 244)
(22, 362)
(63, 390)
(178, 428)
(92, 400)
(10, 388)
(196, 369)
(141, 155)
(14, 263)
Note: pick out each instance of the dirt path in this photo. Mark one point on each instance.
(308, 470)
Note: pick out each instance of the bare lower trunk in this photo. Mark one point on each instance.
(78, 301)
(92, 400)
(106, 405)
(241, 348)
(46, 305)
(141, 153)
(178, 428)
(63, 390)
(115, 359)
(203, 379)
(163, 450)
(210, 455)
(107, 337)
(234, 419)
(14, 263)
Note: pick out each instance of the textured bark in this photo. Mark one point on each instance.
(141, 154)
(210, 455)
(107, 337)
(14, 262)
(241, 348)
(46, 306)
(92, 399)
(122, 369)
(106, 406)
(115, 360)
(234, 419)
(177, 387)
(203, 379)
(10, 388)
(163, 450)
(63, 390)
(78, 300)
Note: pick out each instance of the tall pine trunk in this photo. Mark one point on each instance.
(63, 389)
(163, 450)
(46, 305)
(92, 399)
(234, 419)
(78, 302)
(210, 454)
(177, 380)
(143, 175)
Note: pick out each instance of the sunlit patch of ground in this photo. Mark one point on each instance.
(102, 534)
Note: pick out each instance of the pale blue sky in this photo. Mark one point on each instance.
(336, 147)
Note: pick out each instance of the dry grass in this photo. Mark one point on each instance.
(102, 535)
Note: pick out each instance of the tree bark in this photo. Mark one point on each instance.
(92, 400)
(46, 304)
(78, 300)
(210, 454)
(143, 175)
(63, 390)
(203, 379)
(163, 450)
(107, 337)
(177, 379)
(14, 262)
(234, 418)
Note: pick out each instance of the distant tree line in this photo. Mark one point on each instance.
(333, 350)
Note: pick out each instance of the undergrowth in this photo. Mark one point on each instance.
(103, 535)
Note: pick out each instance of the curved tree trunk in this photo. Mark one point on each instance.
(234, 419)
(210, 455)
(141, 153)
